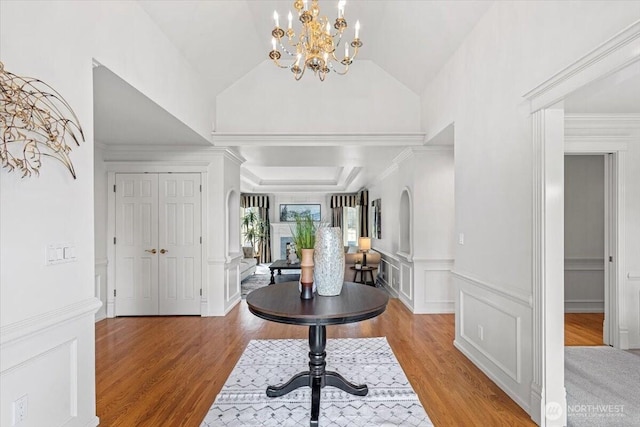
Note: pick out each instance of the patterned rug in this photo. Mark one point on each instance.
(391, 401)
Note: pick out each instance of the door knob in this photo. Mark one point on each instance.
(164, 251)
(153, 251)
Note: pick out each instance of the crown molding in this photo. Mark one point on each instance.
(602, 121)
(235, 139)
(180, 153)
(612, 55)
(340, 183)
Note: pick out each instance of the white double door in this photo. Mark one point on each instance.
(158, 244)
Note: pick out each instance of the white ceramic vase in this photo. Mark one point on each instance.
(329, 261)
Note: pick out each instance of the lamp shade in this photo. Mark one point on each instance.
(364, 243)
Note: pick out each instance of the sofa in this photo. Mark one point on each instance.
(352, 255)
(247, 263)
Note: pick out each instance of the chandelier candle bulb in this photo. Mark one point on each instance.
(314, 46)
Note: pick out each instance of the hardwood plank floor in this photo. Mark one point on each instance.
(583, 328)
(166, 371)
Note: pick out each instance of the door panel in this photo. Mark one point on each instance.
(179, 236)
(136, 269)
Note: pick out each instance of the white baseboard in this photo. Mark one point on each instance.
(94, 422)
(584, 306)
(436, 307)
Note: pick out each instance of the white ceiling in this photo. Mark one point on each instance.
(226, 39)
(123, 115)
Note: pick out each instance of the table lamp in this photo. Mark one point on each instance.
(364, 243)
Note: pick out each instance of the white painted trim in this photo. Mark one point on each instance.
(235, 139)
(516, 295)
(94, 422)
(385, 173)
(40, 323)
(406, 255)
(101, 262)
(633, 276)
(576, 145)
(607, 58)
(584, 306)
(437, 307)
(602, 122)
(387, 254)
(583, 264)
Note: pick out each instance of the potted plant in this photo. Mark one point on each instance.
(304, 238)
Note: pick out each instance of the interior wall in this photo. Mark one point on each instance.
(420, 276)
(348, 103)
(481, 90)
(584, 234)
(47, 312)
(100, 227)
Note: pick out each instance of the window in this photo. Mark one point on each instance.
(350, 226)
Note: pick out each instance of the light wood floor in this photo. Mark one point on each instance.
(583, 328)
(166, 371)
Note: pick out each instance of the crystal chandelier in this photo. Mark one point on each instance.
(315, 46)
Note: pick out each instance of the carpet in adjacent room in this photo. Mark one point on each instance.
(391, 401)
(603, 387)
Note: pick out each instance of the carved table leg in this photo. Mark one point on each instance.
(317, 377)
(273, 280)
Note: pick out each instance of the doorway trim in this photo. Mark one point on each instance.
(548, 395)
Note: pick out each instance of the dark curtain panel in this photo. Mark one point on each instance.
(363, 201)
(260, 201)
(339, 201)
(265, 244)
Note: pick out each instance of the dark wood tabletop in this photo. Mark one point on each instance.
(281, 303)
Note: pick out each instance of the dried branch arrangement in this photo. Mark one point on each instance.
(35, 121)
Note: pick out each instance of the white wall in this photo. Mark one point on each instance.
(47, 312)
(100, 225)
(513, 48)
(584, 234)
(345, 104)
(421, 275)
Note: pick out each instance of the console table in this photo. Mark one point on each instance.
(281, 303)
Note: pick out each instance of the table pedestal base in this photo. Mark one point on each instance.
(317, 377)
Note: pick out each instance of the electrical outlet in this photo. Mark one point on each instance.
(481, 332)
(20, 410)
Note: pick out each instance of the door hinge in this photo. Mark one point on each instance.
(201, 188)
(200, 239)
(114, 188)
(114, 293)
(610, 258)
(114, 240)
(200, 291)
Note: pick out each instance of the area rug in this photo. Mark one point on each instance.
(603, 387)
(391, 400)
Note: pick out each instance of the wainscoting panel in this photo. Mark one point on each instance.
(406, 284)
(433, 286)
(388, 273)
(494, 331)
(584, 285)
(43, 359)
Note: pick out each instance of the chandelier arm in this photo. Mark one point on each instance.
(278, 64)
(299, 75)
(342, 73)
